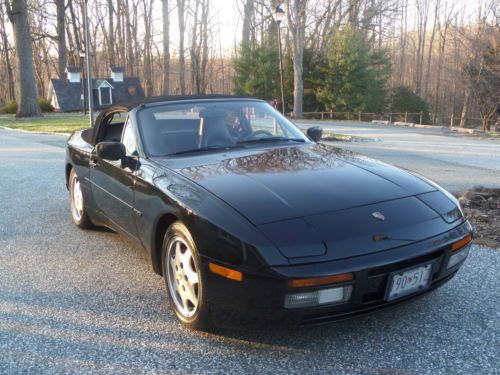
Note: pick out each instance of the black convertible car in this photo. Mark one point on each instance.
(241, 212)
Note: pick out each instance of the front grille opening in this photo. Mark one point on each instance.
(382, 270)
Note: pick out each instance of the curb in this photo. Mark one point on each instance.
(33, 132)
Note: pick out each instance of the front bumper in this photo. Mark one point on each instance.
(262, 294)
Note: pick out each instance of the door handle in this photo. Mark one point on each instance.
(93, 163)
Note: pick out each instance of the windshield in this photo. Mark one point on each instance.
(198, 126)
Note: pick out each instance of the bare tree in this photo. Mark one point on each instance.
(6, 50)
(248, 14)
(111, 33)
(28, 103)
(166, 46)
(296, 15)
(147, 16)
(431, 42)
(61, 36)
(182, 29)
(423, 15)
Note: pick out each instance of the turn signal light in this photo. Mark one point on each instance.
(461, 243)
(315, 281)
(228, 273)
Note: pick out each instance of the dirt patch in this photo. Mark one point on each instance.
(482, 207)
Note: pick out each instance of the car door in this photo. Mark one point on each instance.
(112, 181)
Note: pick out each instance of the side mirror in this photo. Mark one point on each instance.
(110, 150)
(315, 133)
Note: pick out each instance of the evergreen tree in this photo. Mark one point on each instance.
(257, 71)
(403, 99)
(354, 76)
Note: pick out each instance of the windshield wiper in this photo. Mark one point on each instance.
(270, 139)
(210, 148)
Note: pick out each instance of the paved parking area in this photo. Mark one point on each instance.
(74, 301)
(457, 162)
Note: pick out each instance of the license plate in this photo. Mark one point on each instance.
(409, 281)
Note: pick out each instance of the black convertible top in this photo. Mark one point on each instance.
(160, 99)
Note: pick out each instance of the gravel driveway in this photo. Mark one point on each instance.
(74, 301)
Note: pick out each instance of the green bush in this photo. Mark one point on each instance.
(354, 74)
(403, 99)
(10, 107)
(45, 105)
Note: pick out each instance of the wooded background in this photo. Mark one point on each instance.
(355, 55)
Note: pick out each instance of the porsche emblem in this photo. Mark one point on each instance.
(378, 216)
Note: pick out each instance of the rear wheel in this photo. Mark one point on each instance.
(77, 203)
(184, 278)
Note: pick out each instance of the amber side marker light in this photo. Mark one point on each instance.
(461, 243)
(323, 280)
(228, 273)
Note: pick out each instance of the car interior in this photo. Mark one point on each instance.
(171, 135)
(112, 131)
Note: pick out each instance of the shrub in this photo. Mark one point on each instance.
(10, 107)
(45, 105)
(403, 99)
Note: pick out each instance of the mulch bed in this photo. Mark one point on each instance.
(482, 207)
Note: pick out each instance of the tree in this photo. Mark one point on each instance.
(28, 103)
(403, 99)
(166, 46)
(256, 71)
(248, 14)
(61, 37)
(182, 29)
(111, 38)
(6, 50)
(354, 77)
(483, 79)
(296, 14)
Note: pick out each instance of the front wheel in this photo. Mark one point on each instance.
(184, 278)
(77, 203)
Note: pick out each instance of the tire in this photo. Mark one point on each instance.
(77, 203)
(184, 278)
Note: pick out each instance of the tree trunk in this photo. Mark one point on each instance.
(119, 28)
(431, 42)
(61, 37)
(148, 79)
(248, 13)
(28, 103)
(129, 38)
(296, 21)
(111, 33)
(8, 65)
(75, 25)
(486, 120)
(465, 108)
(204, 45)
(166, 47)
(437, 90)
(423, 12)
(194, 52)
(182, 63)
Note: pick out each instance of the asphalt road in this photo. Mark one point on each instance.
(74, 301)
(457, 162)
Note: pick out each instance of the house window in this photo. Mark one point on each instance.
(105, 96)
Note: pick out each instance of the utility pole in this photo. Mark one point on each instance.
(81, 53)
(278, 17)
(89, 64)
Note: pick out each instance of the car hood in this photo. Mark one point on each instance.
(281, 183)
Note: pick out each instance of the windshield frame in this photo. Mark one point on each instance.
(282, 121)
